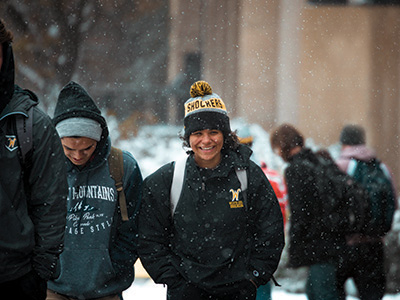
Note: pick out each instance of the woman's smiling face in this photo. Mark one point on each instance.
(206, 145)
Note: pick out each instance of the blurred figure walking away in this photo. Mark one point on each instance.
(364, 259)
(311, 242)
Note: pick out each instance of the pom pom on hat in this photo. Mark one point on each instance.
(200, 89)
(205, 110)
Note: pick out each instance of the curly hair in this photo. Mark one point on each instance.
(286, 137)
(231, 141)
(5, 35)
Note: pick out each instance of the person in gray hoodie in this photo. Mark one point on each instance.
(100, 248)
(364, 258)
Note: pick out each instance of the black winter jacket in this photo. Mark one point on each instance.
(211, 242)
(32, 220)
(309, 242)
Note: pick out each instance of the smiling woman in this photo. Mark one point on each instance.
(211, 250)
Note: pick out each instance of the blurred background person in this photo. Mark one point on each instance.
(365, 259)
(311, 242)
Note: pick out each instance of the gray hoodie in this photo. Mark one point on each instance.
(100, 250)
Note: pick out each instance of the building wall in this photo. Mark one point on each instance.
(335, 71)
(350, 74)
(212, 31)
(288, 61)
(258, 53)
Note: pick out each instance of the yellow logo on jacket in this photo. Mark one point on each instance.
(11, 142)
(235, 203)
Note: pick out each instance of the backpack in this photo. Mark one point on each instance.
(179, 176)
(375, 178)
(24, 128)
(343, 208)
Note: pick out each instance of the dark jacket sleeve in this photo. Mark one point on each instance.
(301, 192)
(267, 227)
(155, 228)
(48, 190)
(303, 247)
(123, 250)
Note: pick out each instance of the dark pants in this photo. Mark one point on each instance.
(321, 282)
(264, 292)
(242, 291)
(27, 287)
(365, 264)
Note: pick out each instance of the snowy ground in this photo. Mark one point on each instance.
(147, 289)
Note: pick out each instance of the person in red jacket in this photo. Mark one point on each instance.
(278, 185)
(276, 180)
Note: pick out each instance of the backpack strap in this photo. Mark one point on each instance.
(385, 171)
(242, 176)
(177, 182)
(116, 165)
(24, 132)
(351, 168)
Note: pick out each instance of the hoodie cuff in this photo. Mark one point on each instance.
(256, 278)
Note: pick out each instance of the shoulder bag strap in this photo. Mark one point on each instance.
(177, 182)
(116, 164)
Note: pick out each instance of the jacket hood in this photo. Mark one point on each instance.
(7, 75)
(243, 153)
(361, 152)
(304, 154)
(22, 100)
(74, 102)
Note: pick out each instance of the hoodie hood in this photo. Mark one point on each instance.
(7, 75)
(75, 102)
(360, 152)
